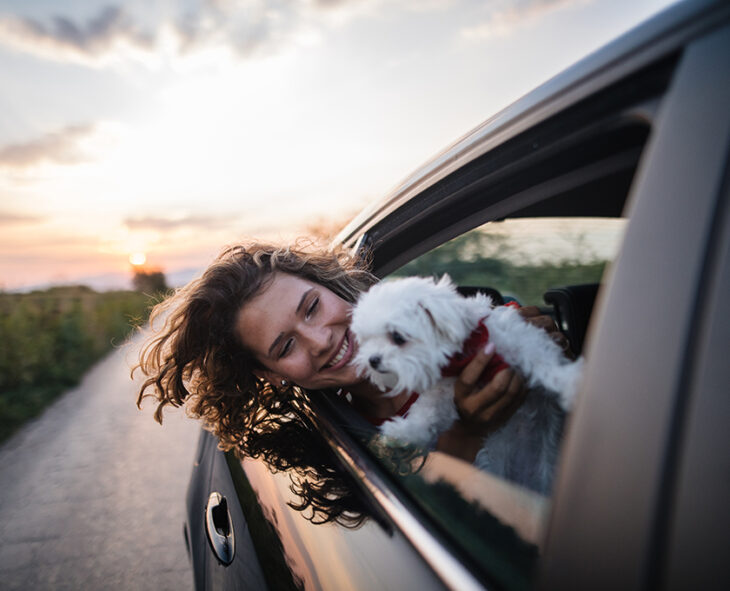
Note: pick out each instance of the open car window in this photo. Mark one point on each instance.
(500, 523)
(550, 245)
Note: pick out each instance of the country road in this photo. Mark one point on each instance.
(92, 493)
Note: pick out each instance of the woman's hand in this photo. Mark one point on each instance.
(533, 315)
(481, 408)
(487, 407)
(484, 408)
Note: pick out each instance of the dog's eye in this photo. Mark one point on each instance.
(397, 338)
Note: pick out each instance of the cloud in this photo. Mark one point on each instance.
(62, 39)
(505, 16)
(60, 147)
(179, 29)
(8, 218)
(161, 224)
(115, 33)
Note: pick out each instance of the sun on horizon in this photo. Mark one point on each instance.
(137, 259)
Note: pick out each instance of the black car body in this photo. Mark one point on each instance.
(638, 133)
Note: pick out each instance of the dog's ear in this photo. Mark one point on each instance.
(444, 316)
(428, 315)
(445, 282)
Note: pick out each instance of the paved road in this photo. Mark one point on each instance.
(92, 493)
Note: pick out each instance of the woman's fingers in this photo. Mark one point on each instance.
(484, 404)
(534, 316)
(513, 398)
(495, 401)
(470, 374)
(562, 342)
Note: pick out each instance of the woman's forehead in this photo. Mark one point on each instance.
(281, 285)
(262, 317)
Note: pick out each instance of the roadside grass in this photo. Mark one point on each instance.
(49, 339)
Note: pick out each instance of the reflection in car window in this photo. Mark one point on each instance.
(499, 523)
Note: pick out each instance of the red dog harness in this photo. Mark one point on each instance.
(401, 411)
(478, 339)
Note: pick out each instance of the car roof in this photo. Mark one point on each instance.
(661, 35)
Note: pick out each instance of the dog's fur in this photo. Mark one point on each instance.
(407, 329)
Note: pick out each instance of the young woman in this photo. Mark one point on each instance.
(238, 345)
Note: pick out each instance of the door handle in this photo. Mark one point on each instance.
(219, 528)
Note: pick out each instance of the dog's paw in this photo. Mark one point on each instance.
(395, 428)
(396, 456)
(406, 431)
(573, 372)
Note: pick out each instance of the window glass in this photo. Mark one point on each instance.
(498, 521)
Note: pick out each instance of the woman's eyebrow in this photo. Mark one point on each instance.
(299, 307)
(304, 297)
(276, 342)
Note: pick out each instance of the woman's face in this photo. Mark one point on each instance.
(299, 331)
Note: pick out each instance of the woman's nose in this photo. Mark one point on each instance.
(318, 339)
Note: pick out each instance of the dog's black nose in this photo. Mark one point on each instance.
(375, 361)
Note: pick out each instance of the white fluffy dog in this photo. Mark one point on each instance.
(409, 330)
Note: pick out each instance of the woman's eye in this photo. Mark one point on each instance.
(312, 308)
(286, 349)
(397, 338)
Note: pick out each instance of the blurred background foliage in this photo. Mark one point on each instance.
(49, 339)
(480, 259)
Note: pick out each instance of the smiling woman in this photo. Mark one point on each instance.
(215, 352)
(307, 340)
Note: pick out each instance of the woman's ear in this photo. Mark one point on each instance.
(270, 376)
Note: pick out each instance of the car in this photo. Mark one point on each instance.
(602, 198)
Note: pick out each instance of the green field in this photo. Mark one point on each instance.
(49, 339)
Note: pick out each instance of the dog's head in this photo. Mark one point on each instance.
(406, 329)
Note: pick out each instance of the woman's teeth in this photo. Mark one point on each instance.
(340, 354)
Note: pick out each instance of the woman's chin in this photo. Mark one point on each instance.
(347, 376)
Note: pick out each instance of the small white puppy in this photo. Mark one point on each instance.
(411, 331)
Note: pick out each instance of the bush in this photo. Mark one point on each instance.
(149, 282)
(49, 339)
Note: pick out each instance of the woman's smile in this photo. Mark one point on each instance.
(344, 355)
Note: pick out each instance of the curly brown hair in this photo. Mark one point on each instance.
(195, 358)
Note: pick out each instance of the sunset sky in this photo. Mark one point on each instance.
(169, 128)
